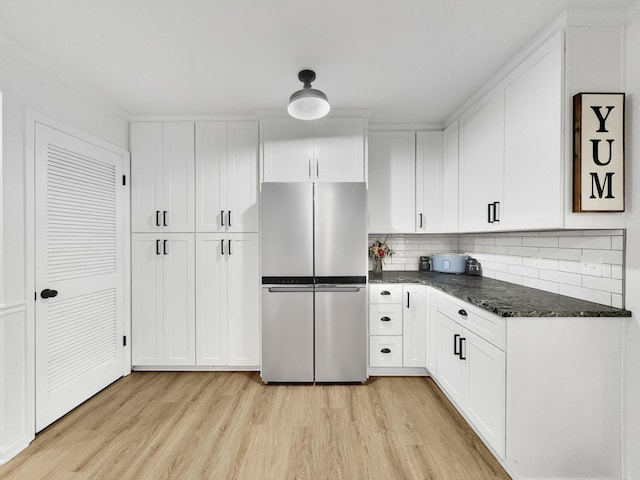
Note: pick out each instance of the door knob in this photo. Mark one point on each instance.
(46, 293)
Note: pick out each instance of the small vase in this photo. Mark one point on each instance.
(377, 266)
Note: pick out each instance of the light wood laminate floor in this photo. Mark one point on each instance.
(228, 425)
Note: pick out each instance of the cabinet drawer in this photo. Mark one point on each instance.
(385, 319)
(484, 324)
(385, 351)
(385, 293)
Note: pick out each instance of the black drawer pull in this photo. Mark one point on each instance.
(456, 350)
(462, 312)
(462, 355)
(385, 319)
(385, 292)
(222, 217)
(157, 218)
(385, 350)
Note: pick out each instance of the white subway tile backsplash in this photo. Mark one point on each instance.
(600, 242)
(586, 264)
(540, 284)
(607, 284)
(561, 277)
(588, 294)
(540, 241)
(616, 271)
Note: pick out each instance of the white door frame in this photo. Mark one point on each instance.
(31, 118)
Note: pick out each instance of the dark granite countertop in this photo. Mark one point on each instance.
(502, 298)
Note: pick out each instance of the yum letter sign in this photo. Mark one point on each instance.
(598, 152)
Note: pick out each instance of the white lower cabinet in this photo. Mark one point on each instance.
(227, 300)
(397, 325)
(163, 299)
(385, 351)
(472, 372)
(542, 392)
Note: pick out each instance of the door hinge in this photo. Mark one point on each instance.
(124, 341)
(124, 179)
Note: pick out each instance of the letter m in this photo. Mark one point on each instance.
(599, 187)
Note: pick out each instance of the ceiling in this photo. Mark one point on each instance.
(409, 61)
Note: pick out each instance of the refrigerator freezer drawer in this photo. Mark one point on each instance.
(341, 336)
(287, 334)
(385, 351)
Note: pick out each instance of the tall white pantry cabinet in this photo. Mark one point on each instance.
(194, 281)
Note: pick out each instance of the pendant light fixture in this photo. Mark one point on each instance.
(308, 103)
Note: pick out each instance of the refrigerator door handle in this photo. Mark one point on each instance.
(290, 289)
(338, 289)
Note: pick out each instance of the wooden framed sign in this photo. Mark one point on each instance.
(598, 152)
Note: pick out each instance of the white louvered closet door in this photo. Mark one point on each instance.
(79, 254)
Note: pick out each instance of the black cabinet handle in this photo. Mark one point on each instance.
(496, 211)
(408, 301)
(462, 357)
(229, 217)
(222, 217)
(456, 351)
(164, 218)
(157, 247)
(489, 210)
(46, 293)
(229, 247)
(385, 350)
(385, 292)
(385, 319)
(462, 312)
(157, 218)
(164, 247)
(420, 220)
(222, 247)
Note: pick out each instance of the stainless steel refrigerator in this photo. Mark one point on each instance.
(314, 266)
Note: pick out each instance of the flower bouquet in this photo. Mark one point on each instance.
(378, 251)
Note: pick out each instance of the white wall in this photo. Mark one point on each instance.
(632, 347)
(27, 83)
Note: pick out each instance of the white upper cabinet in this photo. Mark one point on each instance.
(162, 177)
(430, 187)
(482, 164)
(392, 182)
(533, 167)
(339, 150)
(325, 150)
(227, 176)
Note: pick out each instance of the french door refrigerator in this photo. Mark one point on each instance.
(314, 265)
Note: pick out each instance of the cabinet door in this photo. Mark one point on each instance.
(242, 177)
(481, 163)
(287, 150)
(430, 182)
(533, 141)
(243, 300)
(392, 182)
(179, 299)
(211, 299)
(414, 326)
(211, 160)
(484, 389)
(339, 150)
(146, 176)
(431, 343)
(450, 172)
(147, 328)
(178, 176)
(449, 363)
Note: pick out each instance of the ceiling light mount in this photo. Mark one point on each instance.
(308, 103)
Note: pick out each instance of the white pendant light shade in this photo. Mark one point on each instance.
(308, 103)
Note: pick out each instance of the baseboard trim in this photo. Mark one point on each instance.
(7, 453)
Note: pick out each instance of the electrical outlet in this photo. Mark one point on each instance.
(591, 269)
